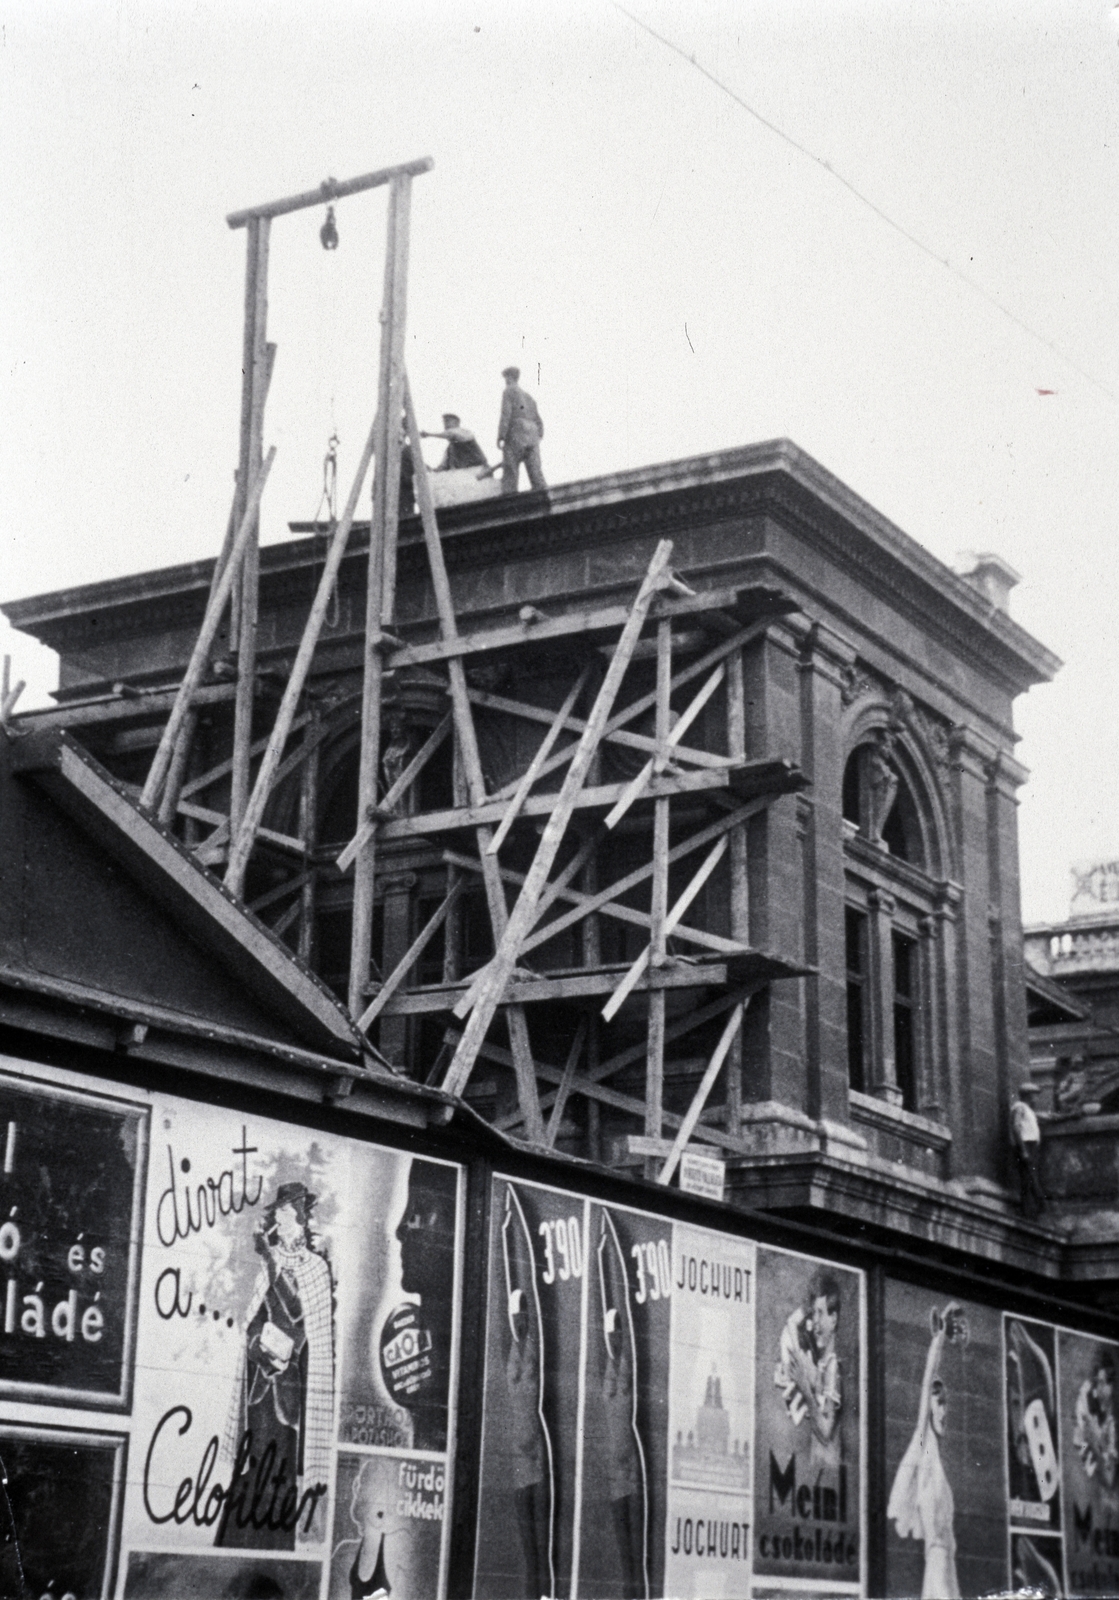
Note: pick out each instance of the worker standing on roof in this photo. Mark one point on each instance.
(463, 450)
(519, 434)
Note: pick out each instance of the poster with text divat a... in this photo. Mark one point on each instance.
(1088, 1394)
(809, 1424)
(617, 1458)
(297, 1321)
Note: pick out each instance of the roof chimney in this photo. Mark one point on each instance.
(990, 574)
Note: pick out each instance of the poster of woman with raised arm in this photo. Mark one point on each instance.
(921, 1504)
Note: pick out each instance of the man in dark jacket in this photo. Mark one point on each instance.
(519, 434)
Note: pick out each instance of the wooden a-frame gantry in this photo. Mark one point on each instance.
(658, 681)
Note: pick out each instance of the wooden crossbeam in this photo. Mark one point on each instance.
(665, 749)
(706, 1132)
(566, 1081)
(201, 653)
(636, 708)
(405, 781)
(293, 690)
(604, 620)
(634, 741)
(408, 960)
(603, 796)
(330, 189)
(625, 1058)
(498, 972)
(620, 913)
(577, 983)
(662, 928)
(292, 886)
(286, 841)
(620, 886)
(532, 771)
(699, 1099)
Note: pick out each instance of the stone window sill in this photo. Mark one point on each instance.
(874, 1113)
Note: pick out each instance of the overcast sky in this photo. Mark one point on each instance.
(672, 276)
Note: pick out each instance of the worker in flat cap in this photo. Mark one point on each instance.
(463, 449)
(1025, 1139)
(519, 434)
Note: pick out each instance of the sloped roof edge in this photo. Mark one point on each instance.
(196, 900)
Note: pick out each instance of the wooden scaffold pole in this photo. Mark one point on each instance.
(380, 589)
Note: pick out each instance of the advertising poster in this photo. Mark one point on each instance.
(253, 1328)
(809, 1423)
(711, 1416)
(59, 1511)
(1033, 1464)
(1089, 1374)
(625, 1381)
(627, 1422)
(538, 1276)
(946, 1506)
(295, 1355)
(71, 1178)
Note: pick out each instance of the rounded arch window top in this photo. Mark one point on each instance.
(880, 799)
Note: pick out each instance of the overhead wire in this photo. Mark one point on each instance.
(871, 205)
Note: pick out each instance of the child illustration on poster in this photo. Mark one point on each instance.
(921, 1504)
(1088, 1453)
(807, 1520)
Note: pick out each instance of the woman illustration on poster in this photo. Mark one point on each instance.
(281, 1418)
(807, 1371)
(530, 1442)
(921, 1505)
(625, 1462)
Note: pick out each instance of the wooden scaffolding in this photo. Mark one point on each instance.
(582, 973)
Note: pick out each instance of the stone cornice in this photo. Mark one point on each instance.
(773, 479)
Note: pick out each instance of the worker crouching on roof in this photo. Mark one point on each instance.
(463, 450)
(519, 434)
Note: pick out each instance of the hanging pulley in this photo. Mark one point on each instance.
(328, 233)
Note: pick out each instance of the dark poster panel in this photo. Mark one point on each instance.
(58, 1508)
(625, 1432)
(807, 1475)
(179, 1577)
(946, 1511)
(1033, 1463)
(1088, 1384)
(70, 1185)
(526, 1518)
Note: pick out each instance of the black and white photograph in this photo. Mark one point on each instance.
(559, 874)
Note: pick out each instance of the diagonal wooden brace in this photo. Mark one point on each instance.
(610, 1009)
(699, 1099)
(501, 968)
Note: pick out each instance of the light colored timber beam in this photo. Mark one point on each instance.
(663, 922)
(699, 1099)
(603, 619)
(583, 984)
(500, 969)
(330, 189)
(540, 805)
(635, 741)
(704, 1132)
(630, 914)
(405, 781)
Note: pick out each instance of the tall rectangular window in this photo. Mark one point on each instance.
(905, 1019)
(856, 999)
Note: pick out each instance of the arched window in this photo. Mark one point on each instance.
(890, 846)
